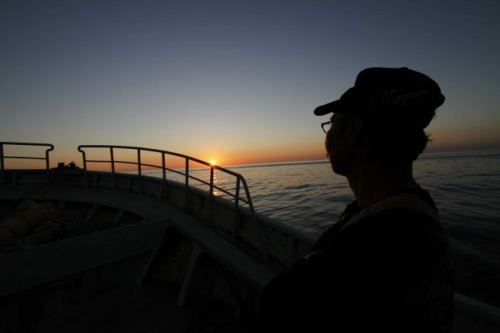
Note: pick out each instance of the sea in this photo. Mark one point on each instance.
(465, 186)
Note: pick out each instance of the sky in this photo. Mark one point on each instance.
(234, 81)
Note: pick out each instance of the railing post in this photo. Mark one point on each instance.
(139, 168)
(47, 163)
(163, 166)
(237, 195)
(186, 173)
(212, 181)
(163, 183)
(237, 216)
(84, 160)
(112, 159)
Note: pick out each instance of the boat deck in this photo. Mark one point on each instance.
(159, 212)
(150, 308)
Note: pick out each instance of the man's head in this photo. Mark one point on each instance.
(382, 118)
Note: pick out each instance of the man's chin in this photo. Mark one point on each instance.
(339, 168)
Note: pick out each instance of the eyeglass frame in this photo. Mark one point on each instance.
(332, 121)
(323, 125)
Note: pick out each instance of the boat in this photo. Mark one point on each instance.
(85, 250)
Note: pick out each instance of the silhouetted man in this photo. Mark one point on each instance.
(386, 265)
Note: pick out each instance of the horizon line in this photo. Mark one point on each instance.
(319, 161)
(425, 155)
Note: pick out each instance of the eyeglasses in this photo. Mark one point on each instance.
(326, 126)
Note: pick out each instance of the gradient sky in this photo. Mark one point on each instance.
(234, 81)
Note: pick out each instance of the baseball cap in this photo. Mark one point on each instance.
(389, 91)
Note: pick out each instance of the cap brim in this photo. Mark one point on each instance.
(331, 107)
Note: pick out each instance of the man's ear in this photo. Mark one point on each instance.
(355, 130)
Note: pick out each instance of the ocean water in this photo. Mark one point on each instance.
(465, 186)
(309, 196)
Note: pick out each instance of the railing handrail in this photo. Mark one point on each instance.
(194, 159)
(187, 158)
(35, 144)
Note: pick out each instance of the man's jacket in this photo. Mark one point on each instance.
(383, 269)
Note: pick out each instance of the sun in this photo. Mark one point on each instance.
(212, 162)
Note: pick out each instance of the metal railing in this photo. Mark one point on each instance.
(240, 181)
(3, 157)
